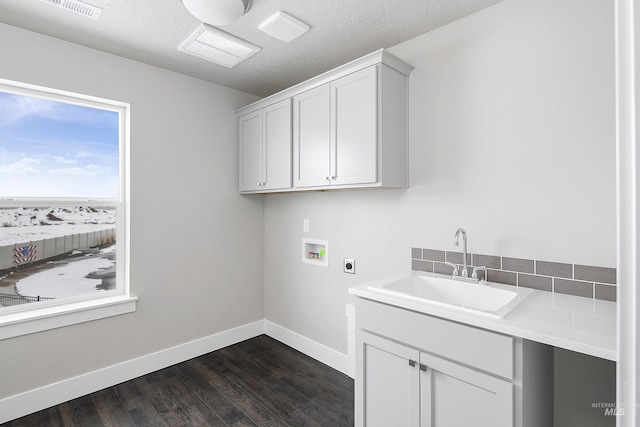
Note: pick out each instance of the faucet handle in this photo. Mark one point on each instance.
(456, 272)
(474, 275)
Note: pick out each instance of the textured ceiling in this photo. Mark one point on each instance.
(151, 30)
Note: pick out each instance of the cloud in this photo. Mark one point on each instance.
(81, 153)
(59, 159)
(14, 108)
(89, 170)
(24, 165)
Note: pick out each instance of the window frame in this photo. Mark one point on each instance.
(34, 317)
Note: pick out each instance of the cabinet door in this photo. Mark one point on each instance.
(453, 395)
(354, 128)
(250, 138)
(311, 137)
(276, 162)
(387, 383)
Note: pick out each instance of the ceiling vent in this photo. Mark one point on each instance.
(284, 27)
(219, 47)
(77, 6)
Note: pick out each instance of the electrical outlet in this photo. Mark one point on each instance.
(350, 266)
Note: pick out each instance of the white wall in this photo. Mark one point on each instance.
(512, 136)
(203, 274)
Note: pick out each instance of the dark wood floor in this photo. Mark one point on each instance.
(258, 382)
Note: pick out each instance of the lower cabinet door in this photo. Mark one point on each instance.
(387, 383)
(453, 395)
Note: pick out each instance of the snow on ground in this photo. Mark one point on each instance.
(19, 225)
(65, 281)
(77, 276)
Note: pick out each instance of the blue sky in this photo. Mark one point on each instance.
(54, 149)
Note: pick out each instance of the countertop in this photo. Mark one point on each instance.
(584, 325)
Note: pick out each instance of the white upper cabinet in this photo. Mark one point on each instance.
(276, 125)
(335, 132)
(349, 129)
(265, 148)
(311, 135)
(354, 128)
(250, 142)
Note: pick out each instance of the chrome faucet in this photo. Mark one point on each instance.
(464, 272)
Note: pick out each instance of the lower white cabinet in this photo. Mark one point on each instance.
(390, 381)
(455, 395)
(417, 370)
(406, 387)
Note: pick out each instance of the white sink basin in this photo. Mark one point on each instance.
(479, 298)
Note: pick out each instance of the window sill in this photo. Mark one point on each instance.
(28, 322)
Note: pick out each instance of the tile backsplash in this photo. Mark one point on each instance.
(573, 279)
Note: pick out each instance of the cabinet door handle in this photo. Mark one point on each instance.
(423, 367)
(412, 363)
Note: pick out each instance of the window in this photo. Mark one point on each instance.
(63, 206)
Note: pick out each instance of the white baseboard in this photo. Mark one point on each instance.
(320, 352)
(22, 404)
